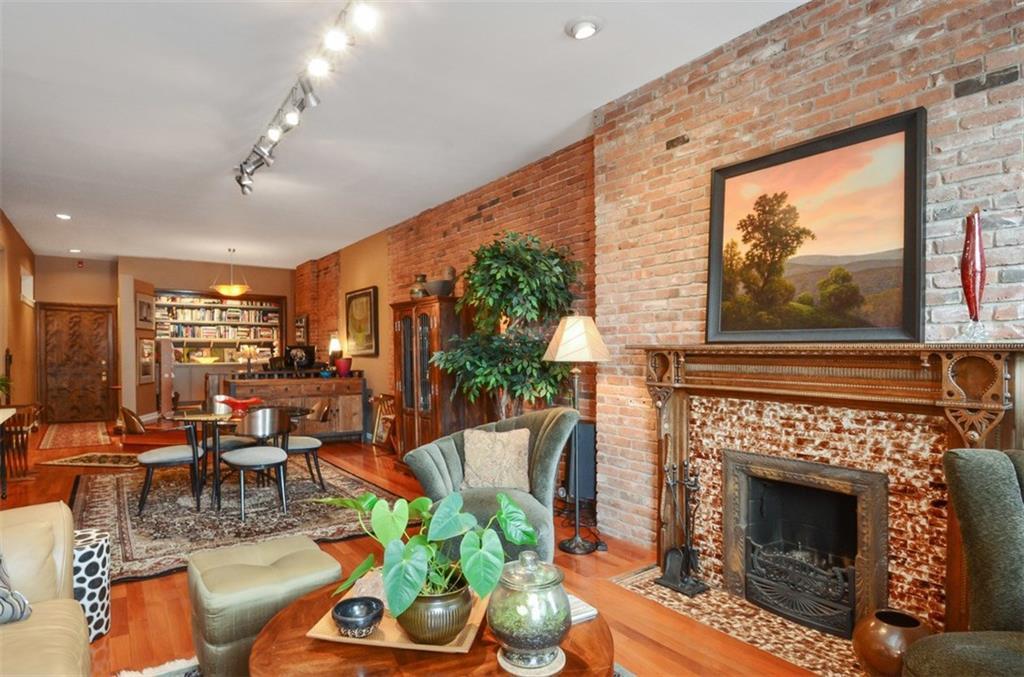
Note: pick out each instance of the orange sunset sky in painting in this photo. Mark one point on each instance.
(852, 197)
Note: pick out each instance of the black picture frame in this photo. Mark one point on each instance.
(364, 348)
(913, 124)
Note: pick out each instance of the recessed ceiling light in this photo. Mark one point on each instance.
(583, 28)
(74, 251)
(64, 217)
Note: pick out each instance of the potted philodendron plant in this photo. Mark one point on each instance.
(427, 580)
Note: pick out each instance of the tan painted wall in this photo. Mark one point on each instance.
(20, 317)
(60, 280)
(366, 264)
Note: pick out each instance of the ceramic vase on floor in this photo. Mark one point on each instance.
(882, 637)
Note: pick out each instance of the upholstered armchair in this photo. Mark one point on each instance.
(985, 487)
(439, 468)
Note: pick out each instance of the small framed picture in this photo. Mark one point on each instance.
(147, 361)
(145, 312)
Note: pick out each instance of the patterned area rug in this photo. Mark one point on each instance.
(170, 528)
(65, 435)
(98, 460)
(812, 650)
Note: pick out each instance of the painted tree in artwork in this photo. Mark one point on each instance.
(839, 293)
(772, 234)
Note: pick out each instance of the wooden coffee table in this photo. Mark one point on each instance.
(282, 648)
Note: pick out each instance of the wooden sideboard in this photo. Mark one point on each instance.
(347, 395)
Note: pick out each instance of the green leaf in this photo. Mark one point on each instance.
(356, 574)
(420, 507)
(405, 571)
(363, 503)
(482, 561)
(513, 522)
(389, 525)
(448, 521)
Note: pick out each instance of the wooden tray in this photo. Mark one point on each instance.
(391, 635)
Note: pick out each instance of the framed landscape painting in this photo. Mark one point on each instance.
(821, 241)
(361, 322)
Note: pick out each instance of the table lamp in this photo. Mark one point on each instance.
(577, 341)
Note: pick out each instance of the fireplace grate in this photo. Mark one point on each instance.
(802, 584)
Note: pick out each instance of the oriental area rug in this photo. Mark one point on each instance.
(810, 649)
(169, 529)
(98, 460)
(65, 435)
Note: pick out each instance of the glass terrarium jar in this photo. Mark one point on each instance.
(529, 613)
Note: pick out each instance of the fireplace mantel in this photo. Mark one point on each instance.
(973, 385)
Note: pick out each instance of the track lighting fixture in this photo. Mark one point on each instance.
(356, 16)
(365, 17)
(264, 154)
(309, 98)
(336, 40)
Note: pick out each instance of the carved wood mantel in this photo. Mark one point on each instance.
(974, 385)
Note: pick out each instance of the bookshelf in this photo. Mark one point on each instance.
(207, 325)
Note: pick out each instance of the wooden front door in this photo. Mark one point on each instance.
(76, 362)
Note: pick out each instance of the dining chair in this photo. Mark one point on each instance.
(262, 425)
(308, 445)
(174, 456)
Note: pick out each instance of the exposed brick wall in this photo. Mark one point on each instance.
(823, 67)
(316, 295)
(552, 198)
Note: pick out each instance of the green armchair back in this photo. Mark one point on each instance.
(439, 468)
(986, 488)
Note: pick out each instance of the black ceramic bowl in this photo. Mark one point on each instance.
(357, 616)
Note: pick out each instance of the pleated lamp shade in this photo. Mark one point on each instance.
(577, 340)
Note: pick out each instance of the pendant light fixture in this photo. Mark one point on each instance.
(232, 288)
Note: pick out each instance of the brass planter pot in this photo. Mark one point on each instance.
(437, 619)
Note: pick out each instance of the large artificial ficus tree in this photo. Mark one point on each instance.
(516, 288)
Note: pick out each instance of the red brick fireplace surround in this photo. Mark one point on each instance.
(888, 408)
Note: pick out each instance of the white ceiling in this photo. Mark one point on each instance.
(130, 115)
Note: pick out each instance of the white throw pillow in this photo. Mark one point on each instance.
(497, 459)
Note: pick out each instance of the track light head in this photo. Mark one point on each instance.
(264, 154)
(274, 133)
(318, 67)
(291, 118)
(336, 40)
(365, 17)
(308, 96)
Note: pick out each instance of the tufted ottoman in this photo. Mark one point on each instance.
(237, 589)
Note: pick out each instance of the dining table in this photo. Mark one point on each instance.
(207, 422)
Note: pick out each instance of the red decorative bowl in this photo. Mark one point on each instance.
(241, 406)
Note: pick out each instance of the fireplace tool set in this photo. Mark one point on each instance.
(681, 562)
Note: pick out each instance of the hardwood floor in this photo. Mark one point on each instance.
(150, 622)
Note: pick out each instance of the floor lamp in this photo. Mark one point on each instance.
(577, 341)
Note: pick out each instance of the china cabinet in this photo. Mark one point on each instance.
(425, 408)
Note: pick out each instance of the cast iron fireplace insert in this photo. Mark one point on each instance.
(805, 540)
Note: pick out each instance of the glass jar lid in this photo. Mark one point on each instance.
(530, 573)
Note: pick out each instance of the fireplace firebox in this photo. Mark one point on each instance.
(801, 546)
(806, 540)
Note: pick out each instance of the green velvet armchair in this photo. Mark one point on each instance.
(985, 487)
(439, 466)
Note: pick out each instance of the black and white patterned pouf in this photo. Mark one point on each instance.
(91, 569)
